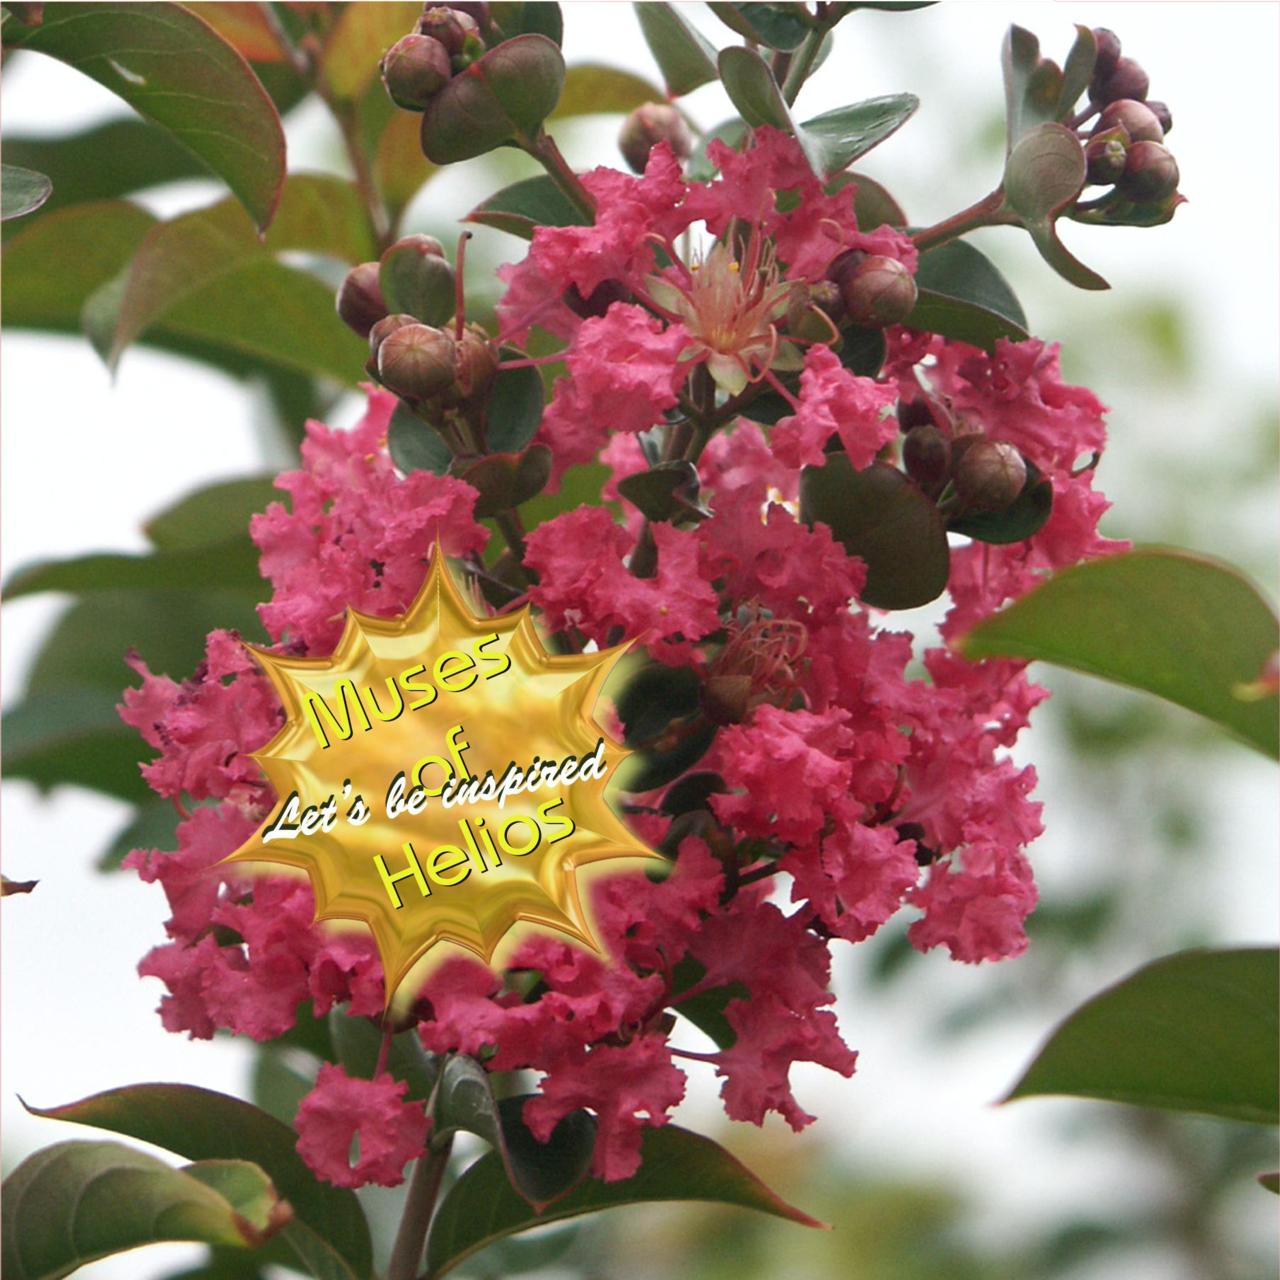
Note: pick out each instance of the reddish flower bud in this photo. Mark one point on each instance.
(414, 70)
(385, 327)
(989, 476)
(417, 361)
(1150, 173)
(914, 413)
(1108, 52)
(926, 454)
(1162, 113)
(452, 27)
(1105, 158)
(1136, 118)
(1125, 80)
(878, 291)
(646, 126)
(477, 364)
(360, 302)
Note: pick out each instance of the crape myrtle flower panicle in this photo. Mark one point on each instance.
(846, 789)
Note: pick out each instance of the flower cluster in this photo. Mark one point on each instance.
(845, 774)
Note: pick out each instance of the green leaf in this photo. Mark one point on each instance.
(1188, 629)
(358, 1044)
(399, 167)
(515, 407)
(362, 34)
(152, 826)
(212, 514)
(415, 446)
(231, 564)
(522, 207)
(137, 155)
(593, 89)
(1194, 1031)
(846, 133)
(668, 491)
(174, 69)
(752, 89)
(540, 17)
(328, 1234)
(318, 214)
(683, 54)
(1077, 71)
(676, 1164)
(1270, 1181)
(73, 736)
(74, 1202)
(22, 191)
(883, 517)
(963, 296)
(1032, 85)
(774, 25)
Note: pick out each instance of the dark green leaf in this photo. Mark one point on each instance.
(174, 69)
(653, 696)
(733, 133)
(676, 1164)
(862, 351)
(1185, 628)
(1195, 1031)
(1032, 85)
(22, 191)
(963, 296)
(415, 446)
(874, 206)
(775, 25)
(358, 1043)
(1045, 237)
(73, 736)
(516, 17)
(656, 767)
(668, 491)
(153, 826)
(752, 89)
(77, 1201)
(683, 54)
(515, 407)
(277, 1086)
(1025, 516)
(229, 564)
(328, 1233)
(1271, 1181)
(883, 517)
(399, 167)
(505, 480)
(1044, 173)
(530, 203)
(846, 133)
(706, 1010)
(212, 514)
(592, 89)
(417, 284)
(139, 155)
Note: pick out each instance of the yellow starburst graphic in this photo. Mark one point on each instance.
(441, 777)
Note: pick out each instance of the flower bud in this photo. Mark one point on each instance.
(477, 364)
(878, 291)
(360, 302)
(417, 361)
(384, 328)
(507, 92)
(451, 27)
(416, 279)
(1162, 114)
(1136, 118)
(646, 126)
(926, 454)
(914, 413)
(1125, 80)
(989, 476)
(1105, 159)
(814, 311)
(1108, 52)
(414, 70)
(1150, 173)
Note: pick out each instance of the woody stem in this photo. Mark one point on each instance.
(419, 1206)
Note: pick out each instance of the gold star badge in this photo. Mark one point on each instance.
(441, 777)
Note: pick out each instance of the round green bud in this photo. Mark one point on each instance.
(1105, 159)
(989, 476)
(1125, 80)
(417, 361)
(926, 454)
(360, 302)
(1135, 118)
(452, 27)
(648, 125)
(1150, 174)
(878, 291)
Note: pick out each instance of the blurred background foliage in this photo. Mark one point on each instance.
(1161, 834)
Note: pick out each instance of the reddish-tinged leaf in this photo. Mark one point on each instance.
(172, 67)
(361, 36)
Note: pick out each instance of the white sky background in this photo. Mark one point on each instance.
(85, 460)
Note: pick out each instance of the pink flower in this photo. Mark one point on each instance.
(835, 402)
(339, 1109)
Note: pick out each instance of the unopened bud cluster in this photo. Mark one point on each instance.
(1126, 147)
(985, 475)
(417, 67)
